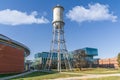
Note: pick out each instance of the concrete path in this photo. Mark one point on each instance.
(87, 76)
(18, 75)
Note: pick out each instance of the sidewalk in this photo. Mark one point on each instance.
(22, 74)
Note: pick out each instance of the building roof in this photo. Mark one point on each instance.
(7, 40)
(91, 51)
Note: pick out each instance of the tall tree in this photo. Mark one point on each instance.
(118, 59)
(79, 58)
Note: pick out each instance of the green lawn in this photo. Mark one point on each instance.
(43, 75)
(53, 75)
(5, 75)
(106, 78)
(98, 71)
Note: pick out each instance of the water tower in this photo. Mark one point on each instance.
(58, 41)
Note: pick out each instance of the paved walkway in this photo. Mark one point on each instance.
(18, 75)
(88, 76)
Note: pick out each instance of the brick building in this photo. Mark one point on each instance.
(12, 55)
(108, 63)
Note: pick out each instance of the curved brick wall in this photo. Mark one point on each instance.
(11, 59)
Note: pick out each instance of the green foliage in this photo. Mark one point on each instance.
(79, 59)
(118, 59)
(37, 64)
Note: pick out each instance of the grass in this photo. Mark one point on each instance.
(53, 75)
(6, 75)
(98, 71)
(43, 75)
(106, 78)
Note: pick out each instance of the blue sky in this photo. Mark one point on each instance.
(88, 23)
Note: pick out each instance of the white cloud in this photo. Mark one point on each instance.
(14, 17)
(96, 12)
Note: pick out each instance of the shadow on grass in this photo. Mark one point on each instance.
(6, 75)
(36, 74)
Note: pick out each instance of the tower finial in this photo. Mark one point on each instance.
(58, 4)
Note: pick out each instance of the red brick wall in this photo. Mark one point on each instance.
(108, 61)
(11, 59)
